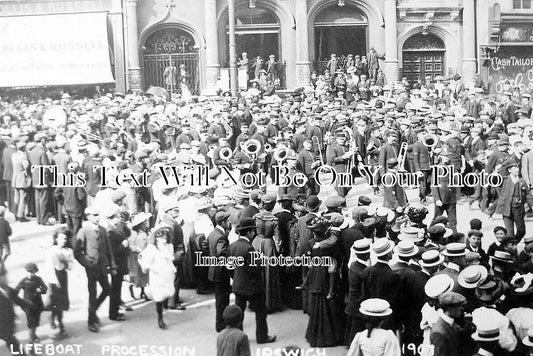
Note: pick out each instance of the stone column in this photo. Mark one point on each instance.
(392, 70)
(469, 43)
(212, 69)
(303, 66)
(118, 43)
(134, 69)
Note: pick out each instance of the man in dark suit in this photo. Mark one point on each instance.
(379, 281)
(38, 157)
(388, 151)
(117, 233)
(361, 261)
(248, 283)
(421, 165)
(393, 193)
(445, 196)
(511, 201)
(456, 254)
(251, 209)
(445, 334)
(218, 245)
(7, 172)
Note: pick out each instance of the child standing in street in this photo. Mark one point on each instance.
(34, 287)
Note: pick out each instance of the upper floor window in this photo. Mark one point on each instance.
(521, 4)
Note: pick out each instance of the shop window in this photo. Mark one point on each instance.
(522, 4)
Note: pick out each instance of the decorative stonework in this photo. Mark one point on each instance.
(170, 40)
(303, 74)
(135, 79)
(212, 74)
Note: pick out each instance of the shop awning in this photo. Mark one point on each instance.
(47, 50)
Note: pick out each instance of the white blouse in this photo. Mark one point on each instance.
(381, 343)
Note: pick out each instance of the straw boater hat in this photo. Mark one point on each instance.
(409, 233)
(502, 256)
(140, 218)
(472, 276)
(406, 249)
(382, 246)
(455, 249)
(375, 307)
(438, 285)
(361, 246)
(488, 331)
(431, 258)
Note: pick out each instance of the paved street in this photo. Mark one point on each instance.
(192, 329)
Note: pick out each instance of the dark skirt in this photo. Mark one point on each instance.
(59, 299)
(137, 276)
(325, 324)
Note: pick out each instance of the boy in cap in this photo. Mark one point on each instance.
(232, 341)
(34, 287)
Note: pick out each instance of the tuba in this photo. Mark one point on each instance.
(280, 154)
(430, 141)
(252, 147)
(225, 153)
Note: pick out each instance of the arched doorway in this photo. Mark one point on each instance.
(423, 55)
(166, 46)
(339, 30)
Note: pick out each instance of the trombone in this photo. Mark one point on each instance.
(402, 154)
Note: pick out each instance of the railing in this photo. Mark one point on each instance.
(155, 64)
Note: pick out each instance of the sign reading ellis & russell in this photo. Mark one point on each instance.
(50, 7)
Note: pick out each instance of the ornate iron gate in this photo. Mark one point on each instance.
(171, 47)
(155, 64)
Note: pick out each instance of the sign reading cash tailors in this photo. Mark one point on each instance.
(58, 49)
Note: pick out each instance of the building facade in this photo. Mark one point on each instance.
(151, 38)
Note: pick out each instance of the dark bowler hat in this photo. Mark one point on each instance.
(364, 201)
(312, 203)
(245, 224)
(510, 163)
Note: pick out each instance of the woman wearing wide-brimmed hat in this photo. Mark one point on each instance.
(137, 242)
(324, 328)
(375, 341)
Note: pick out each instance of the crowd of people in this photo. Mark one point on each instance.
(402, 282)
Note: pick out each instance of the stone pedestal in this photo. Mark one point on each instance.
(303, 66)
(134, 69)
(135, 79)
(391, 70)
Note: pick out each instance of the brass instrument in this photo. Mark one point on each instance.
(317, 143)
(430, 141)
(225, 153)
(280, 154)
(251, 147)
(402, 154)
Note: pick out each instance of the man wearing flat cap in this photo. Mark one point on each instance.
(338, 157)
(248, 285)
(21, 181)
(511, 200)
(94, 252)
(445, 334)
(218, 245)
(38, 157)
